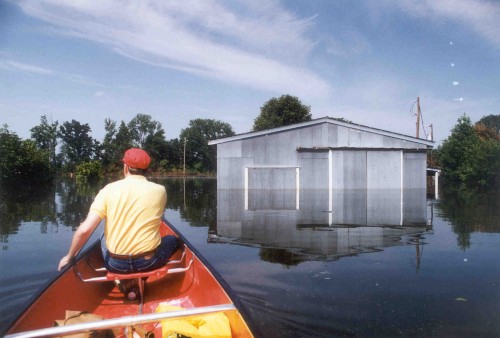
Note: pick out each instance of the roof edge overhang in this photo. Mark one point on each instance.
(326, 149)
(320, 121)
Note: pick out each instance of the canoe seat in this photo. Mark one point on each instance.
(172, 267)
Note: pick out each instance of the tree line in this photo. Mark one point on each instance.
(470, 156)
(70, 148)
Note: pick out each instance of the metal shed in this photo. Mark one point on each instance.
(324, 153)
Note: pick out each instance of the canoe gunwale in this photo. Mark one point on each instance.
(127, 321)
(252, 326)
(234, 307)
(81, 255)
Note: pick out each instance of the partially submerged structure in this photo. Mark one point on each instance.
(324, 153)
(289, 187)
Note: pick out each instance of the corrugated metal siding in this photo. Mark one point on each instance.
(314, 170)
(414, 170)
(272, 178)
(351, 169)
(383, 170)
(414, 197)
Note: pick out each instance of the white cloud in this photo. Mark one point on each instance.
(482, 16)
(15, 65)
(12, 65)
(253, 43)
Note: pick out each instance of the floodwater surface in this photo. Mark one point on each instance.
(303, 263)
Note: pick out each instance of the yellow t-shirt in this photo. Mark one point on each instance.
(133, 208)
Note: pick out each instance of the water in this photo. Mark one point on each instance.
(304, 264)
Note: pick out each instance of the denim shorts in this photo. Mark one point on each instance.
(163, 253)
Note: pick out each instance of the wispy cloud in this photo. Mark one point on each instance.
(15, 65)
(12, 65)
(254, 43)
(482, 16)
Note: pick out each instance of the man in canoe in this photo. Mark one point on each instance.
(132, 207)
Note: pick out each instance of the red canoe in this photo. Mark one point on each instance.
(185, 294)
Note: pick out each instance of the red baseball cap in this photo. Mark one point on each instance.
(136, 158)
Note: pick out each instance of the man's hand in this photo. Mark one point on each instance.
(64, 261)
(80, 237)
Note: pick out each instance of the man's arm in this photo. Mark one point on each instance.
(80, 237)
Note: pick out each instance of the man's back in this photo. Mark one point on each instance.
(133, 208)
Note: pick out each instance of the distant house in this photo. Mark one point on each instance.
(324, 153)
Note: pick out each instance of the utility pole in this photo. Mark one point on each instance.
(184, 168)
(432, 133)
(418, 117)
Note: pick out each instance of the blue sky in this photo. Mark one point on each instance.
(366, 61)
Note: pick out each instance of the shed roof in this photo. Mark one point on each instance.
(321, 120)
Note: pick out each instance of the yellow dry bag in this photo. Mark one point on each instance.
(208, 325)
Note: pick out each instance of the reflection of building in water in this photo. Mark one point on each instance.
(319, 224)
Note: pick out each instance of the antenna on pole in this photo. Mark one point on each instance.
(418, 117)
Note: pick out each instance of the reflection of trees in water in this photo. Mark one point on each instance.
(196, 199)
(63, 203)
(74, 201)
(25, 204)
(470, 211)
(67, 203)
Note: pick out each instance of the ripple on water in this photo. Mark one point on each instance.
(16, 293)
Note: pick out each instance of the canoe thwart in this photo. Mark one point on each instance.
(159, 273)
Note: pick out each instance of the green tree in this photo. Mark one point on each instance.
(491, 122)
(22, 162)
(45, 137)
(174, 155)
(110, 154)
(199, 155)
(77, 143)
(142, 127)
(468, 158)
(157, 147)
(283, 111)
(89, 171)
(123, 139)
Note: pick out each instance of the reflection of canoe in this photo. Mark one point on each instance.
(187, 282)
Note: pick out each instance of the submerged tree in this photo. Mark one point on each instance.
(199, 155)
(468, 156)
(45, 137)
(283, 111)
(22, 162)
(77, 143)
